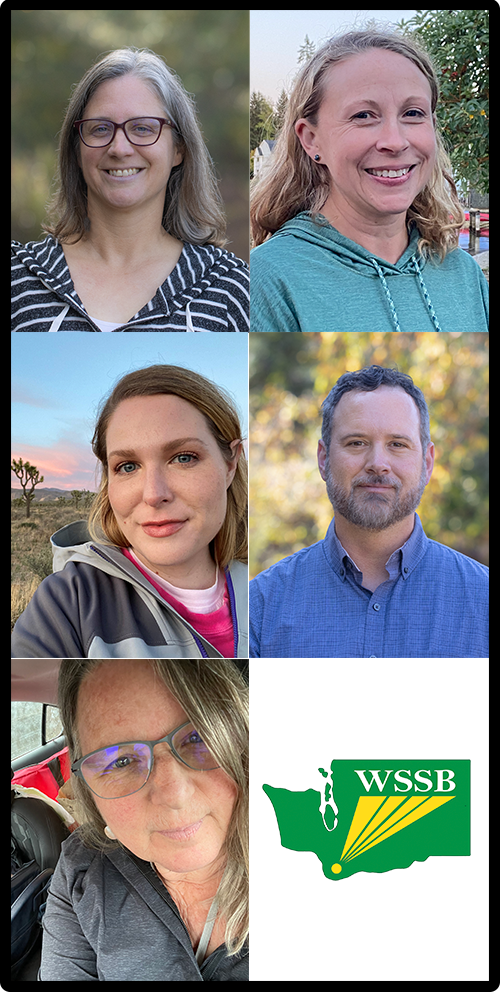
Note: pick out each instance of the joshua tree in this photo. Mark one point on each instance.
(28, 475)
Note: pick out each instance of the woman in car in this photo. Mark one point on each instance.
(162, 572)
(138, 244)
(153, 886)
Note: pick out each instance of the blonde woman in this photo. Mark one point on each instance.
(153, 885)
(356, 224)
(162, 572)
(138, 238)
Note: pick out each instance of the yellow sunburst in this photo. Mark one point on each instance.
(378, 817)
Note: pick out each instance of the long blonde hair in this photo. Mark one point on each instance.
(214, 695)
(295, 183)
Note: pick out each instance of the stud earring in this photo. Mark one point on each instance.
(316, 158)
(109, 833)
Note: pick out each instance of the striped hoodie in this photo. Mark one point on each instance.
(208, 290)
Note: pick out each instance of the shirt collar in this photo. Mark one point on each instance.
(401, 562)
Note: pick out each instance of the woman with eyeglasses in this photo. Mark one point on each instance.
(153, 885)
(139, 240)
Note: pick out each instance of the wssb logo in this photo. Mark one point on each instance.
(378, 815)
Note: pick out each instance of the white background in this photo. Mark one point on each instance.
(428, 922)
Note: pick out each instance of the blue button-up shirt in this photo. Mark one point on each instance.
(313, 605)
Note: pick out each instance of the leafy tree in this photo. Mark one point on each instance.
(306, 51)
(266, 119)
(28, 475)
(458, 42)
(279, 112)
(261, 120)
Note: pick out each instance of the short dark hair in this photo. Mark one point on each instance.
(367, 380)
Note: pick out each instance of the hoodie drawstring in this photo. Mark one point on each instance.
(423, 289)
(390, 301)
(56, 323)
(416, 268)
(189, 321)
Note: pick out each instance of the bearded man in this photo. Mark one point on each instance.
(376, 586)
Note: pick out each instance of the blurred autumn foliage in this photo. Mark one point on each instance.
(290, 376)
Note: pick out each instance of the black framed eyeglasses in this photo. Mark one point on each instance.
(121, 769)
(97, 132)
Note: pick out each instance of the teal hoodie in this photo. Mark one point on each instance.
(309, 277)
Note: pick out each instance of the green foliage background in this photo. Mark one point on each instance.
(458, 41)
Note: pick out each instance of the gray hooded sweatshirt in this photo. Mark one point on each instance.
(97, 604)
(109, 918)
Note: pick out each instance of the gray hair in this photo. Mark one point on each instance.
(193, 206)
(214, 695)
(367, 380)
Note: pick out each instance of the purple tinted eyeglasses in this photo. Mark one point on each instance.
(122, 769)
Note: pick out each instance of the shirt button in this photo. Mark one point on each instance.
(406, 570)
(376, 606)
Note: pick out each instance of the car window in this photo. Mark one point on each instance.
(27, 726)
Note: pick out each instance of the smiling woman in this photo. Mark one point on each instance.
(168, 495)
(163, 570)
(138, 241)
(356, 222)
(153, 886)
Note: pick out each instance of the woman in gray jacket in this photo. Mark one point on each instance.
(153, 885)
(162, 571)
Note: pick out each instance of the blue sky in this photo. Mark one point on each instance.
(277, 35)
(58, 381)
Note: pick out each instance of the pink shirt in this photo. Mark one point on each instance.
(216, 625)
